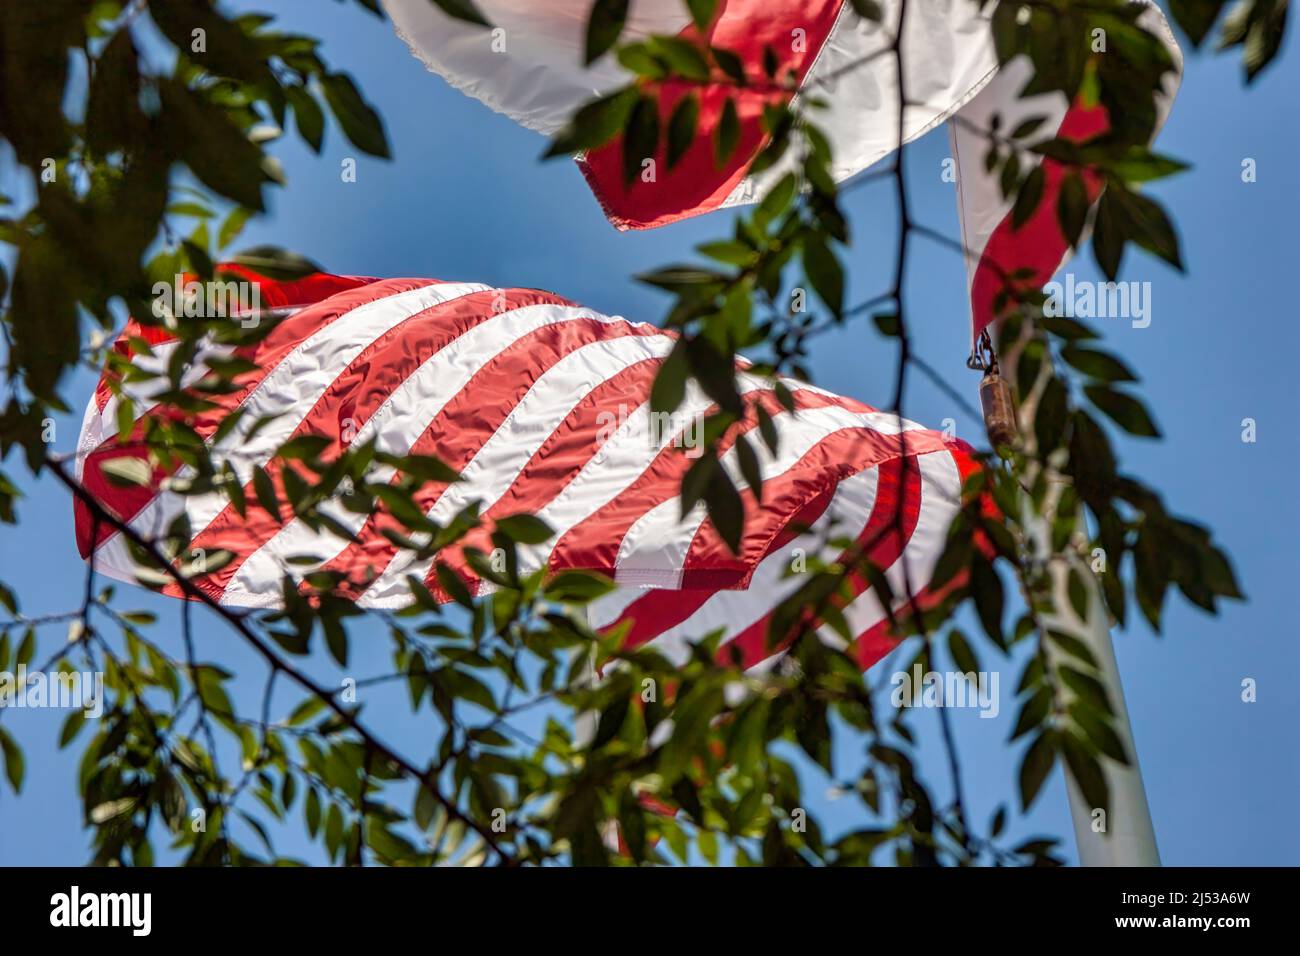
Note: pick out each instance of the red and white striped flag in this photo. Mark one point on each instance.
(530, 67)
(543, 407)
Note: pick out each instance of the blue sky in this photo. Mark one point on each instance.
(465, 198)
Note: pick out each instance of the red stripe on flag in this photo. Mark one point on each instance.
(288, 335)
(294, 294)
(795, 31)
(348, 404)
(1038, 245)
(593, 544)
(880, 541)
(661, 608)
(467, 421)
(836, 457)
(563, 455)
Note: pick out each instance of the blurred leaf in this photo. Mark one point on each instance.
(1125, 410)
(358, 119)
(604, 24)
(1036, 764)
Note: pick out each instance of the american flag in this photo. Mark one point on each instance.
(542, 406)
(531, 69)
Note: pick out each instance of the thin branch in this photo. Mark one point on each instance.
(273, 660)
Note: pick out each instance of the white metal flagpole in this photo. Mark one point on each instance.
(1128, 837)
(1122, 835)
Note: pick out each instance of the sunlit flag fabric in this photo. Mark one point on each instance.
(530, 68)
(542, 407)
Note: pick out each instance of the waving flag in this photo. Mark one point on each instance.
(995, 248)
(542, 407)
(530, 68)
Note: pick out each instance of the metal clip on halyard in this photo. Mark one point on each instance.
(995, 393)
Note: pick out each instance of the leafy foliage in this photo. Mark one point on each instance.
(685, 762)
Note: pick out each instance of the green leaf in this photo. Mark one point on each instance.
(1098, 364)
(26, 649)
(113, 115)
(684, 58)
(680, 279)
(1033, 712)
(731, 251)
(232, 226)
(1072, 208)
(637, 58)
(640, 138)
(1100, 733)
(1029, 196)
(1078, 594)
(1125, 216)
(778, 198)
(307, 114)
(611, 720)
(275, 263)
(702, 12)
(824, 273)
(71, 727)
(869, 10)
(1150, 227)
(669, 387)
(596, 123)
(1140, 165)
(725, 509)
(426, 807)
(1050, 419)
(682, 126)
(999, 822)
(525, 528)
(1072, 330)
(961, 652)
(264, 489)
(727, 135)
(127, 471)
(312, 812)
(304, 447)
(577, 587)
(359, 121)
(750, 469)
(1087, 688)
(986, 588)
(1196, 17)
(730, 64)
(604, 24)
(429, 468)
(1034, 768)
(305, 711)
(1124, 410)
(214, 149)
(1087, 773)
(462, 10)
(15, 767)
(454, 585)
(1072, 646)
(1028, 127)
(1108, 236)
(336, 638)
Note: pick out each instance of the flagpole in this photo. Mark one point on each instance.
(1131, 837)
(1123, 834)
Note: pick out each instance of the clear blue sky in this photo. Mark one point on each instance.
(466, 199)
